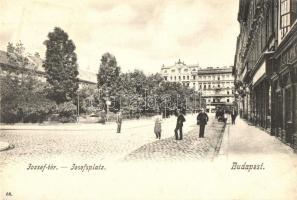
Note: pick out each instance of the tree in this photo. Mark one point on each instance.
(61, 66)
(109, 71)
(23, 97)
(108, 77)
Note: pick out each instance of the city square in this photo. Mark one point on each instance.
(148, 100)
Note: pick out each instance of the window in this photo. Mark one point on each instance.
(218, 78)
(209, 86)
(165, 77)
(165, 71)
(227, 100)
(284, 17)
(171, 78)
(184, 77)
(173, 71)
(175, 78)
(178, 77)
(188, 77)
(185, 70)
(194, 77)
(227, 92)
(204, 86)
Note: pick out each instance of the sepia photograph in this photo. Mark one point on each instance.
(148, 99)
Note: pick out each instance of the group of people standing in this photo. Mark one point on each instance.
(221, 115)
(202, 119)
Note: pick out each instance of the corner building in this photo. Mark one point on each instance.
(215, 85)
(265, 66)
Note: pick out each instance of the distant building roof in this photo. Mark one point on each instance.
(217, 70)
(37, 62)
(179, 63)
(87, 76)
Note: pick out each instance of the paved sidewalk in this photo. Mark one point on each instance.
(242, 139)
(258, 165)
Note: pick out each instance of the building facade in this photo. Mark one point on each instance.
(216, 85)
(265, 66)
(181, 73)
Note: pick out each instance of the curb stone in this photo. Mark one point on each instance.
(4, 146)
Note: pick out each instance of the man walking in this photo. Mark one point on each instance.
(179, 125)
(202, 119)
(233, 115)
(119, 121)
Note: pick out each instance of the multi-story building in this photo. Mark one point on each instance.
(86, 78)
(181, 73)
(215, 84)
(265, 66)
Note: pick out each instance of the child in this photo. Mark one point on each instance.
(158, 127)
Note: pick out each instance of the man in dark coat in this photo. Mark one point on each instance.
(179, 126)
(233, 115)
(202, 119)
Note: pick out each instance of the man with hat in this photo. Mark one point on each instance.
(202, 119)
(179, 125)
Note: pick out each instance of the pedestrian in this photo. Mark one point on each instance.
(179, 125)
(158, 127)
(119, 121)
(233, 115)
(202, 119)
(224, 116)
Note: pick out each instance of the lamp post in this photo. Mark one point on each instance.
(194, 101)
(77, 117)
(200, 94)
(145, 99)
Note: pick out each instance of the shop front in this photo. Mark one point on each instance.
(260, 113)
(284, 91)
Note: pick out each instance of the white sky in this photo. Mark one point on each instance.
(142, 34)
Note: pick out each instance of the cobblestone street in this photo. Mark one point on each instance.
(65, 145)
(191, 147)
(82, 144)
(100, 142)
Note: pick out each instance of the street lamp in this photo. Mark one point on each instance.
(77, 117)
(145, 100)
